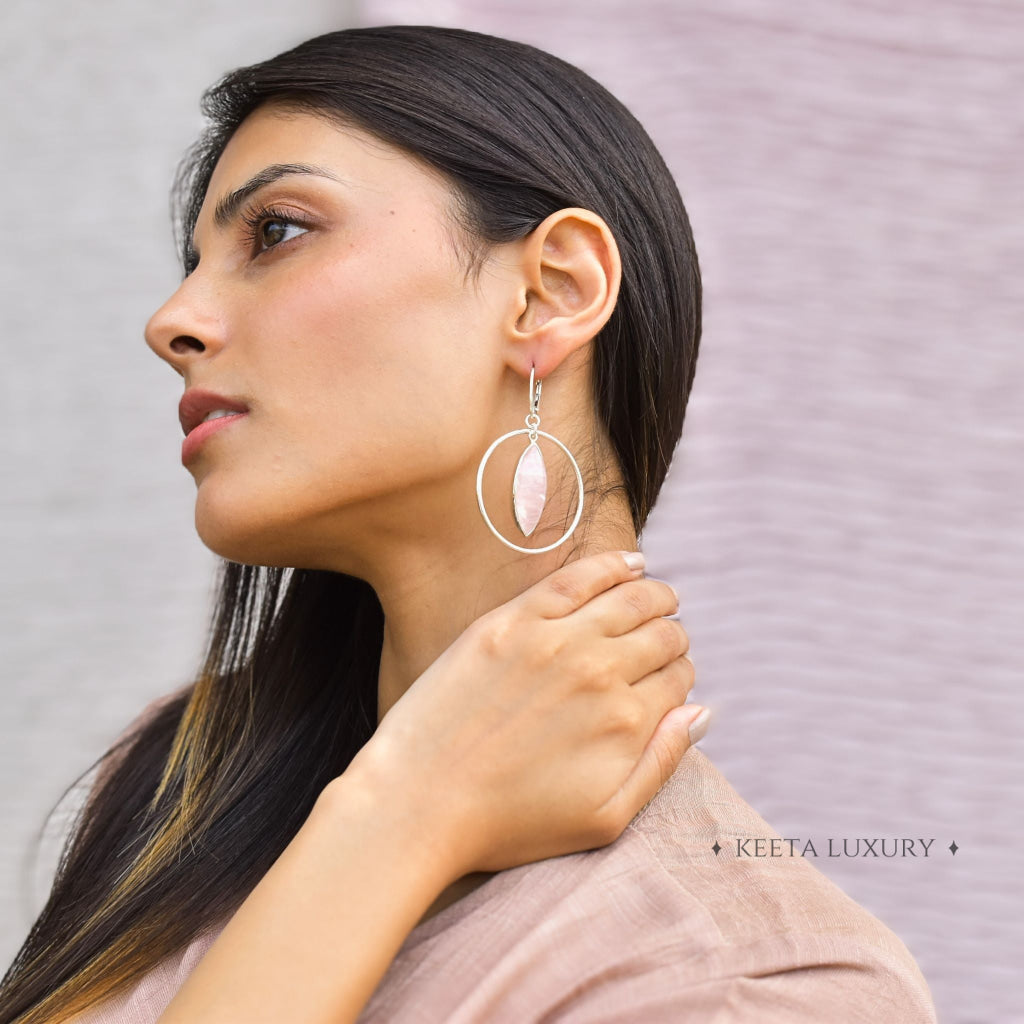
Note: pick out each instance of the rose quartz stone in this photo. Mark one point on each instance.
(529, 488)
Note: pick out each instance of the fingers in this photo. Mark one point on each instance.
(649, 699)
(615, 598)
(665, 688)
(659, 760)
(573, 585)
(651, 646)
(630, 604)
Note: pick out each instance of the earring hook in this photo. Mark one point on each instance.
(534, 393)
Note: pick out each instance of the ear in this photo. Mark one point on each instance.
(571, 272)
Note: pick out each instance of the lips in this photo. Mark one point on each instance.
(196, 403)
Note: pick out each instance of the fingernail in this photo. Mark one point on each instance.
(699, 725)
(674, 591)
(634, 559)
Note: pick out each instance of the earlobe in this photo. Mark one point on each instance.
(571, 275)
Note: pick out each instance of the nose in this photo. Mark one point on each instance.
(186, 328)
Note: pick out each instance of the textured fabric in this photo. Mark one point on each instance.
(653, 927)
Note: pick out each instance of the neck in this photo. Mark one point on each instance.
(440, 592)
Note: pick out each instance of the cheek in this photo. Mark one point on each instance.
(395, 322)
(369, 360)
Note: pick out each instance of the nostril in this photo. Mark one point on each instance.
(183, 343)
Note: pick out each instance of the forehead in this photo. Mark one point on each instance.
(274, 134)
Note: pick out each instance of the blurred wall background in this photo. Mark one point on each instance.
(844, 517)
(106, 587)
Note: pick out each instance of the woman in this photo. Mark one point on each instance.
(423, 776)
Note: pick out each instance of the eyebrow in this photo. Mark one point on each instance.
(227, 206)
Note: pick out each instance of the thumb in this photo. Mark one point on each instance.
(677, 731)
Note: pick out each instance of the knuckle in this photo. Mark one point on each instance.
(495, 634)
(685, 668)
(550, 645)
(627, 718)
(684, 636)
(592, 670)
(566, 587)
(679, 679)
(668, 638)
(639, 598)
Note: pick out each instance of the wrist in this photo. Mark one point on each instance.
(414, 825)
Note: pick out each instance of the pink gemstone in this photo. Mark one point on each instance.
(529, 488)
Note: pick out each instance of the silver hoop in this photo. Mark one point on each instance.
(533, 432)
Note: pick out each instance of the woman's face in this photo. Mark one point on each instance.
(342, 317)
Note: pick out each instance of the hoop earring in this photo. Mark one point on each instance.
(529, 485)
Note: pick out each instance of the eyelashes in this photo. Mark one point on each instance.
(258, 217)
(255, 218)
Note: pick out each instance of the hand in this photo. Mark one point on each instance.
(545, 726)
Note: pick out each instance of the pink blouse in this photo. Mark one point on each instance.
(655, 927)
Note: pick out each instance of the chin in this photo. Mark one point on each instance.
(240, 531)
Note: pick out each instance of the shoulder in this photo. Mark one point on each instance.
(150, 712)
(658, 927)
(765, 933)
(117, 750)
(155, 706)
(150, 995)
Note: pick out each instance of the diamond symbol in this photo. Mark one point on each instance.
(953, 847)
(716, 848)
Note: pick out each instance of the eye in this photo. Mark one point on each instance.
(268, 227)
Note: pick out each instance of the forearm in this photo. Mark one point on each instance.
(314, 938)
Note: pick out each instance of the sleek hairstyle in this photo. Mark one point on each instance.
(194, 805)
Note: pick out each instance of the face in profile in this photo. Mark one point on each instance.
(336, 308)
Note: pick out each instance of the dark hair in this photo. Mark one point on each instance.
(202, 798)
